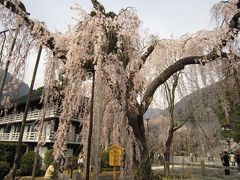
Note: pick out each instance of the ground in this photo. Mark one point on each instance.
(180, 172)
(195, 172)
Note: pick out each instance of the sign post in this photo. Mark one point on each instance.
(114, 173)
(115, 154)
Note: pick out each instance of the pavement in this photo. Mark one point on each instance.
(196, 172)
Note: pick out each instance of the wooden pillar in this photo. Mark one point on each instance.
(18, 150)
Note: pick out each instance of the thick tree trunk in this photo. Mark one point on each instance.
(144, 169)
(142, 166)
(167, 153)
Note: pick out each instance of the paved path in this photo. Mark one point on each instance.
(195, 172)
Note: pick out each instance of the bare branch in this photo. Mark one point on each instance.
(175, 83)
(179, 126)
(167, 92)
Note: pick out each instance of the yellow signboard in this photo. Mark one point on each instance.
(115, 154)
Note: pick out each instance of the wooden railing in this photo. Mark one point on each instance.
(33, 137)
(32, 115)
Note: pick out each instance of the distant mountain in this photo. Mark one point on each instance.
(152, 113)
(190, 104)
(202, 99)
(22, 90)
(217, 103)
(207, 101)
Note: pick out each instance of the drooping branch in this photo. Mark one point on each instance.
(174, 68)
(17, 8)
(42, 33)
(180, 64)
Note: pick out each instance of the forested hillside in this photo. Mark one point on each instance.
(217, 102)
(21, 90)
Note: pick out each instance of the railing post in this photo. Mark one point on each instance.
(29, 115)
(27, 134)
(10, 136)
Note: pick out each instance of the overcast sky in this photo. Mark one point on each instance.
(165, 18)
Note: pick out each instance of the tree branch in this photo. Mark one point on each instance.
(148, 52)
(98, 6)
(42, 33)
(180, 64)
(167, 73)
(134, 73)
(144, 57)
(234, 22)
(179, 126)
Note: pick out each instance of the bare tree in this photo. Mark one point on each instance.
(170, 91)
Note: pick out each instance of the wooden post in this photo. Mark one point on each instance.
(114, 173)
(203, 167)
(98, 118)
(18, 150)
(90, 129)
(8, 61)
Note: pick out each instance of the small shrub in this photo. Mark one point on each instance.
(48, 158)
(104, 159)
(18, 172)
(4, 168)
(27, 161)
(7, 151)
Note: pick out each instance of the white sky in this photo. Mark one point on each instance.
(164, 18)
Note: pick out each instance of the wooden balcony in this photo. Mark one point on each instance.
(33, 137)
(33, 115)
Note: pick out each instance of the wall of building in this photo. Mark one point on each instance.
(50, 127)
(42, 151)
